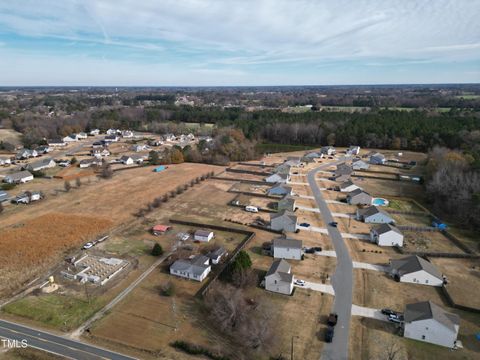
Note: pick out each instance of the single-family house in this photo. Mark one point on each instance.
(98, 145)
(216, 255)
(416, 270)
(374, 215)
(293, 161)
(359, 164)
(139, 147)
(377, 159)
(286, 203)
(99, 153)
(172, 137)
(359, 197)
(283, 169)
(328, 150)
(278, 178)
(341, 178)
(386, 235)
(287, 249)
(70, 138)
(353, 150)
(195, 268)
(111, 138)
(279, 277)
(56, 142)
(160, 229)
(343, 169)
(283, 221)
(348, 186)
(127, 134)
(90, 162)
(4, 160)
(131, 159)
(41, 164)
(280, 190)
(3, 196)
(25, 154)
(428, 322)
(203, 235)
(18, 177)
(82, 135)
(27, 197)
(43, 149)
(112, 131)
(313, 155)
(94, 132)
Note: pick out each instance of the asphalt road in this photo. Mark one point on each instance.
(59, 345)
(342, 277)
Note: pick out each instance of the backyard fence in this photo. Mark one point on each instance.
(250, 172)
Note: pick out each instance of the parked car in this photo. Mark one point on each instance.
(387, 312)
(332, 319)
(88, 245)
(333, 224)
(252, 209)
(329, 334)
(304, 225)
(299, 282)
(395, 318)
(309, 251)
(65, 163)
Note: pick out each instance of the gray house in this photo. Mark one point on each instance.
(359, 164)
(348, 186)
(3, 196)
(386, 235)
(293, 161)
(18, 177)
(283, 169)
(327, 150)
(353, 150)
(428, 322)
(343, 169)
(278, 178)
(195, 268)
(41, 164)
(359, 197)
(286, 203)
(377, 159)
(374, 215)
(279, 278)
(416, 270)
(287, 249)
(280, 190)
(341, 178)
(283, 221)
(313, 155)
(5, 160)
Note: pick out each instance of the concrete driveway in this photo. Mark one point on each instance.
(324, 288)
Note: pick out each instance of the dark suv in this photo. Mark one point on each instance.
(329, 334)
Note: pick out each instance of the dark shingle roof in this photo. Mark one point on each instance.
(384, 228)
(415, 263)
(287, 243)
(427, 310)
(279, 266)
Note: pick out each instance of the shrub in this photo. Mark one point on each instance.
(157, 250)
(193, 349)
(67, 186)
(8, 186)
(38, 173)
(168, 289)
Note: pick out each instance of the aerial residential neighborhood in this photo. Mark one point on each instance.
(239, 180)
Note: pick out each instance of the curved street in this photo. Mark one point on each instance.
(342, 277)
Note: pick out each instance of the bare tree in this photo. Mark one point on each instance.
(106, 171)
(67, 186)
(78, 182)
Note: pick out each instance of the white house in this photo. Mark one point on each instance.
(99, 153)
(386, 235)
(56, 143)
(359, 164)
(18, 177)
(127, 134)
(348, 186)
(94, 132)
(70, 138)
(82, 135)
(287, 249)
(111, 138)
(374, 215)
(216, 255)
(278, 178)
(5, 161)
(25, 154)
(203, 235)
(139, 147)
(27, 197)
(90, 162)
(131, 159)
(353, 150)
(112, 132)
(328, 150)
(279, 277)
(416, 270)
(196, 268)
(378, 159)
(428, 322)
(45, 163)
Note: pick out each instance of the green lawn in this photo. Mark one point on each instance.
(403, 205)
(131, 247)
(59, 311)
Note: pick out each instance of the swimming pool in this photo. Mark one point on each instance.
(380, 202)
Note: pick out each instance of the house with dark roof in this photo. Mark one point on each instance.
(280, 190)
(327, 150)
(18, 177)
(386, 235)
(283, 221)
(216, 255)
(41, 164)
(428, 322)
(278, 178)
(195, 268)
(348, 186)
(374, 215)
(5, 161)
(353, 150)
(343, 169)
(279, 278)
(416, 270)
(286, 203)
(3, 196)
(359, 197)
(283, 169)
(359, 164)
(284, 248)
(203, 235)
(56, 142)
(377, 159)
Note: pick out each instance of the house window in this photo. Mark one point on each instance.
(426, 281)
(423, 337)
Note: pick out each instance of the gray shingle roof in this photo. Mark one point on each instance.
(279, 266)
(346, 184)
(415, 263)
(203, 232)
(287, 243)
(195, 265)
(283, 213)
(428, 310)
(372, 210)
(385, 228)
(18, 175)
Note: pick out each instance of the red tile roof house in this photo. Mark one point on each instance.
(160, 229)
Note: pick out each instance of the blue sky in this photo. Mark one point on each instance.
(238, 42)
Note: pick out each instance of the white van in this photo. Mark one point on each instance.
(253, 209)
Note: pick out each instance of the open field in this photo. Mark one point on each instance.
(463, 277)
(38, 242)
(432, 241)
(28, 354)
(403, 205)
(11, 136)
(411, 220)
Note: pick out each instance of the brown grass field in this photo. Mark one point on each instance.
(34, 245)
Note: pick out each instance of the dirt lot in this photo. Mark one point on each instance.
(411, 220)
(463, 276)
(431, 241)
(365, 251)
(239, 176)
(257, 189)
(386, 188)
